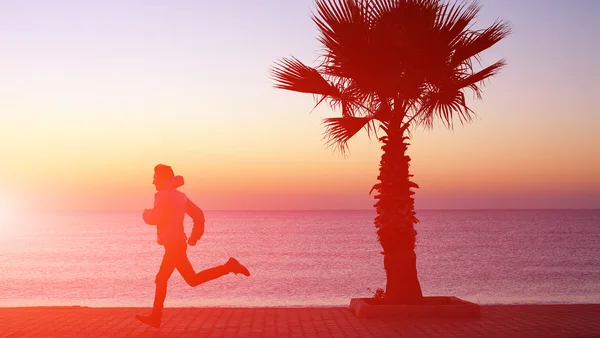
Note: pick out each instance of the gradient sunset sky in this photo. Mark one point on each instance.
(93, 94)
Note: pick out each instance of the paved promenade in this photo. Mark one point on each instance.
(496, 321)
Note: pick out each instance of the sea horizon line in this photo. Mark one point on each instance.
(329, 210)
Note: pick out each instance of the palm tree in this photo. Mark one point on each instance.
(388, 65)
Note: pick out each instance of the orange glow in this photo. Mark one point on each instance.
(85, 136)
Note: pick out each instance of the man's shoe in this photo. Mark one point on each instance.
(151, 320)
(235, 267)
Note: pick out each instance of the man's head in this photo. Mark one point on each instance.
(162, 173)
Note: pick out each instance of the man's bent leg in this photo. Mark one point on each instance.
(186, 270)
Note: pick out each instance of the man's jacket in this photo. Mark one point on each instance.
(170, 208)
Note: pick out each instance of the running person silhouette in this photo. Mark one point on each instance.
(170, 208)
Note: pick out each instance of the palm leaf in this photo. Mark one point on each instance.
(414, 57)
(344, 35)
(291, 74)
(339, 130)
(474, 42)
(444, 104)
(474, 80)
(454, 19)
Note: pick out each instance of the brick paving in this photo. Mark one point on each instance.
(580, 320)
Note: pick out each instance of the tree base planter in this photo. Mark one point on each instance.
(435, 306)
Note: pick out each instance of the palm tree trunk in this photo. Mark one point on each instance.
(396, 219)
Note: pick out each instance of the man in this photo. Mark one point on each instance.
(170, 207)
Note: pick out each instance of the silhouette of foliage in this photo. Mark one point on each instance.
(378, 294)
(388, 65)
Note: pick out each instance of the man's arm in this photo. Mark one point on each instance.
(198, 217)
(154, 215)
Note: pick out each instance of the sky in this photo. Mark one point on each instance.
(94, 94)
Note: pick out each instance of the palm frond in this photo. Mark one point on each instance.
(474, 42)
(339, 130)
(444, 104)
(408, 61)
(474, 81)
(376, 8)
(357, 101)
(291, 74)
(331, 16)
(454, 19)
(382, 110)
(411, 106)
(344, 35)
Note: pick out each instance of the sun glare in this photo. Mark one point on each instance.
(5, 212)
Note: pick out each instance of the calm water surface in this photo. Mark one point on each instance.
(302, 258)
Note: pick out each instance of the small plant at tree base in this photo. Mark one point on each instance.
(379, 294)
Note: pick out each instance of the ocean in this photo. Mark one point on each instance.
(301, 258)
